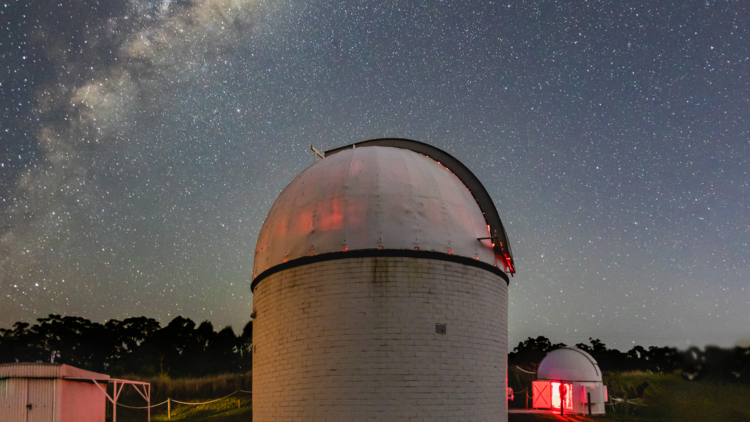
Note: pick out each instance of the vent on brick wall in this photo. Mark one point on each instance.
(440, 329)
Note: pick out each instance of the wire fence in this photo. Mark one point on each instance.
(170, 400)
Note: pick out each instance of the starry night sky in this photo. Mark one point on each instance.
(142, 144)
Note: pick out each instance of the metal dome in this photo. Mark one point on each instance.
(376, 198)
(569, 364)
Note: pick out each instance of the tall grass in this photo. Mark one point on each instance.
(187, 389)
(669, 397)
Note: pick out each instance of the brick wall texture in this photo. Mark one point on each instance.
(355, 340)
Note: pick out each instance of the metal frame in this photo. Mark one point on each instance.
(146, 393)
(499, 237)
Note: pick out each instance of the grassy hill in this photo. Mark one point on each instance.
(667, 398)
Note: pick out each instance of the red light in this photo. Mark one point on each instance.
(450, 252)
(416, 248)
(346, 249)
(380, 247)
(285, 260)
(508, 263)
(477, 258)
(555, 390)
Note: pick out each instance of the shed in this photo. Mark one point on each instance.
(48, 392)
(580, 378)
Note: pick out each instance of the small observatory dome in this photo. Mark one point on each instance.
(569, 364)
(380, 291)
(577, 371)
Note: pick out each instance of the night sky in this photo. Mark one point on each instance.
(142, 144)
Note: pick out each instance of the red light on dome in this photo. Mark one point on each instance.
(450, 252)
(285, 259)
(346, 249)
(416, 248)
(508, 263)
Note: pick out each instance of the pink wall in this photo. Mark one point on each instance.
(82, 401)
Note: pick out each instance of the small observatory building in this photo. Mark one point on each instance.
(50, 393)
(579, 373)
(380, 291)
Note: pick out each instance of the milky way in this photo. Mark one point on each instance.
(142, 144)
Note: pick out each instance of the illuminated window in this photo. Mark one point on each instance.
(556, 395)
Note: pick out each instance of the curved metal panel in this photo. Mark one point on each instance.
(498, 235)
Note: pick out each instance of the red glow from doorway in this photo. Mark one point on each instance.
(556, 395)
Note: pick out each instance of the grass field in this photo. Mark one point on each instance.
(667, 398)
(670, 398)
(234, 409)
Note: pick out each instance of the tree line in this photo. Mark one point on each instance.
(138, 345)
(141, 346)
(710, 363)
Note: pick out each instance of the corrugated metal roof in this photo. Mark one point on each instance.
(46, 370)
(373, 198)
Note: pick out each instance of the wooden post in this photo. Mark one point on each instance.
(589, 402)
(169, 408)
(114, 403)
(238, 403)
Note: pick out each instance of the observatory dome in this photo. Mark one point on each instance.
(377, 293)
(374, 198)
(569, 364)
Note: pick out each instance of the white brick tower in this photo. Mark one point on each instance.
(380, 292)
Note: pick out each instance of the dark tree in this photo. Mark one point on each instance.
(529, 353)
(133, 346)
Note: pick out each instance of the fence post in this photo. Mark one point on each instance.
(238, 403)
(169, 408)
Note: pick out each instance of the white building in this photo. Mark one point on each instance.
(580, 377)
(380, 292)
(49, 392)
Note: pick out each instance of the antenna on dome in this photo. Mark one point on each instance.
(316, 154)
